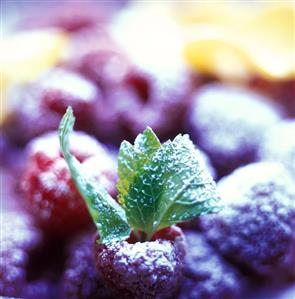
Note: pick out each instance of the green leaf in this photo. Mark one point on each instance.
(107, 214)
(131, 162)
(161, 185)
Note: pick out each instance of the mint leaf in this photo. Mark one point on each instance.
(131, 162)
(161, 185)
(107, 214)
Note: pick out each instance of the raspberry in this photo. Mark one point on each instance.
(162, 101)
(4, 148)
(106, 66)
(133, 98)
(278, 145)
(19, 238)
(150, 269)
(145, 99)
(206, 275)
(81, 280)
(38, 107)
(103, 170)
(256, 228)
(228, 124)
(41, 288)
(281, 91)
(285, 292)
(49, 192)
(68, 18)
(88, 52)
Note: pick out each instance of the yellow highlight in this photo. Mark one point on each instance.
(236, 48)
(23, 56)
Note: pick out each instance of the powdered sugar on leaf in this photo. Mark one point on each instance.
(161, 185)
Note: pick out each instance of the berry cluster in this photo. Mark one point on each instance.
(154, 238)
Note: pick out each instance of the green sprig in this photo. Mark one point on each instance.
(159, 185)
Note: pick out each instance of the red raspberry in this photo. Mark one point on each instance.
(50, 193)
(149, 269)
(81, 280)
(162, 100)
(38, 107)
(88, 52)
(19, 238)
(143, 99)
(256, 228)
(103, 168)
(228, 123)
(206, 275)
(134, 98)
(106, 66)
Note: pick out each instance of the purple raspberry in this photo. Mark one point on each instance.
(228, 124)
(288, 293)
(38, 107)
(279, 145)
(81, 280)
(206, 275)
(284, 292)
(19, 238)
(105, 64)
(280, 91)
(161, 101)
(256, 228)
(139, 99)
(42, 288)
(142, 270)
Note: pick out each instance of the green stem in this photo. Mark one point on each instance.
(149, 236)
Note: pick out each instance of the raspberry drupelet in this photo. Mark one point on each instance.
(37, 108)
(206, 275)
(48, 190)
(256, 228)
(228, 123)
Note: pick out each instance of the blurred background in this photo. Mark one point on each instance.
(146, 62)
(241, 42)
